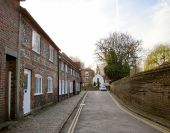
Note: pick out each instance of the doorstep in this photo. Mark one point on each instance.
(7, 125)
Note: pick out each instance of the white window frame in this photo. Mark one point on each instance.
(39, 92)
(51, 53)
(36, 42)
(50, 85)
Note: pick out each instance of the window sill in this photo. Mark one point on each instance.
(49, 92)
(37, 94)
(51, 60)
(38, 52)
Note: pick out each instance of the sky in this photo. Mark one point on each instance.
(76, 25)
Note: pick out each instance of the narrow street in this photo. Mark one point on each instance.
(101, 115)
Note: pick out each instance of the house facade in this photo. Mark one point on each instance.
(87, 75)
(9, 38)
(38, 66)
(69, 77)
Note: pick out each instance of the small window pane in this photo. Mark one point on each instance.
(35, 42)
(25, 81)
(38, 84)
(50, 84)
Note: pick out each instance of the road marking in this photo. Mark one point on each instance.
(74, 122)
(144, 120)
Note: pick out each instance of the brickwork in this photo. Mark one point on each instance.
(3, 102)
(38, 63)
(9, 34)
(148, 91)
(9, 22)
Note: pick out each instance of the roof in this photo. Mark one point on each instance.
(88, 69)
(69, 61)
(29, 18)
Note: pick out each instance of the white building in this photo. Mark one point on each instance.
(98, 78)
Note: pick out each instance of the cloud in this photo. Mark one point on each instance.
(159, 30)
(76, 25)
(147, 22)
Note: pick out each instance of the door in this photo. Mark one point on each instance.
(74, 87)
(11, 86)
(27, 88)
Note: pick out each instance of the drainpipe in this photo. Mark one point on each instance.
(9, 95)
(18, 69)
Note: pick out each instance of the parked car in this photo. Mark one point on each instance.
(103, 88)
(107, 86)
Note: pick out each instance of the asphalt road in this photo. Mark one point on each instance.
(101, 115)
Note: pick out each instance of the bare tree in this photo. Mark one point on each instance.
(76, 59)
(126, 48)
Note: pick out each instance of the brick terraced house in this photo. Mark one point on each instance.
(69, 77)
(38, 66)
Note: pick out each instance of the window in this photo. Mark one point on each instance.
(71, 71)
(51, 55)
(87, 73)
(66, 70)
(60, 88)
(38, 84)
(50, 85)
(62, 66)
(71, 87)
(36, 42)
(66, 87)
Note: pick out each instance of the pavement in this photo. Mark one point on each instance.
(101, 115)
(50, 119)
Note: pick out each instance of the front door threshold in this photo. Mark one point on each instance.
(7, 125)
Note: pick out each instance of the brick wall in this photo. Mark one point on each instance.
(148, 92)
(9, 21)
(9, 25)
(3, 102)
